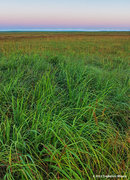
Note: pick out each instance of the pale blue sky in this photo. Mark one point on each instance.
(65, 14)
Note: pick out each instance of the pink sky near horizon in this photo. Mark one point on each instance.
(70, 14)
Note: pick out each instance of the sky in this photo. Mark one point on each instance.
(65, 15)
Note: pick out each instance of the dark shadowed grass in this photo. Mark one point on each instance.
(63, 116)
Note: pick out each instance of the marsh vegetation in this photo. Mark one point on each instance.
(64, 106)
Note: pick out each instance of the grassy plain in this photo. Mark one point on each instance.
(64, 105)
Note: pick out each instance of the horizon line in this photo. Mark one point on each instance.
(57, 30)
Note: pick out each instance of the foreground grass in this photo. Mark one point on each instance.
(63, 113)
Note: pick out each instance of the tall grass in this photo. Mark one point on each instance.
(63, 116)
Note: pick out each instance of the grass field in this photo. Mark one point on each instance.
(64, 105)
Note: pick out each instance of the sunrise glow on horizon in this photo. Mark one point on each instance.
(64, 14)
